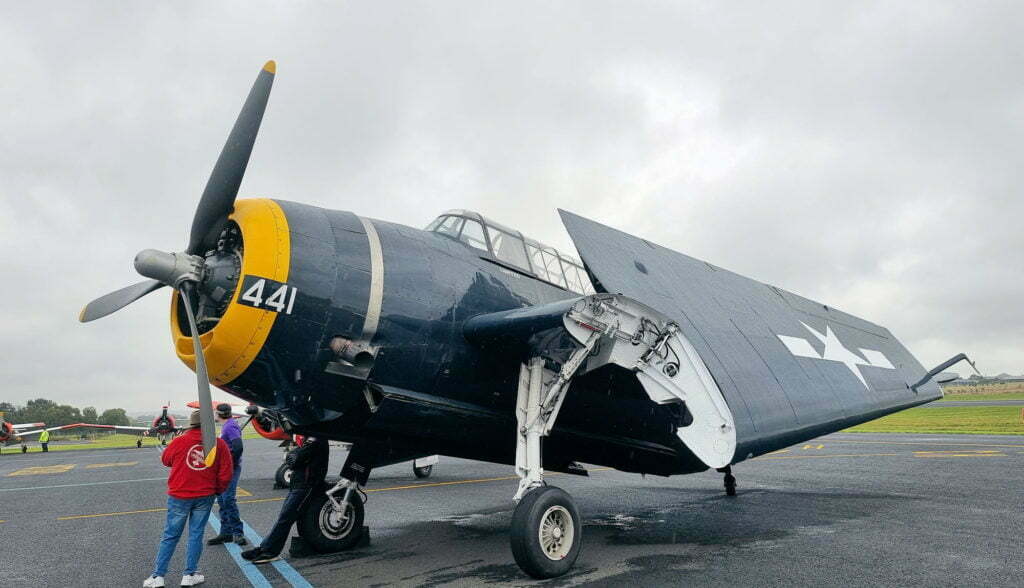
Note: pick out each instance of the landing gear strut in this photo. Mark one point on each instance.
(730, 481)
(546, 531)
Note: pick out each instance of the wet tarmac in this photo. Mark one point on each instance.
(849, 509)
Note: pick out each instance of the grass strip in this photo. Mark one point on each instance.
(958, 420)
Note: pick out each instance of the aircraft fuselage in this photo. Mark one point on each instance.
(431, 391)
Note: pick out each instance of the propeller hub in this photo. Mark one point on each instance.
(169, 268)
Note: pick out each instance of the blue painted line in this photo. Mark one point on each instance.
(255, 576)
(284, 568)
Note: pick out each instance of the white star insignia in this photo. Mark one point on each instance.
(836, 351)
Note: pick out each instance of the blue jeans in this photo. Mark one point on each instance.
(230, 520)
(273, 543)
(195, 511)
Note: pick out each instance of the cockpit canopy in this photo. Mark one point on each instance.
(514, 249)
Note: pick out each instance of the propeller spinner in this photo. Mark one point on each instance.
(190, 271)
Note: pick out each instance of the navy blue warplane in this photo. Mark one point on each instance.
(470, 339)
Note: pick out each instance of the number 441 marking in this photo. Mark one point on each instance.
(267, 294)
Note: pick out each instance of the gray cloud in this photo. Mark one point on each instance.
(864, 155)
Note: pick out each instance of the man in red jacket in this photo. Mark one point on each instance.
(191, 488)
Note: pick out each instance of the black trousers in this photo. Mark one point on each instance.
(273, 543)
(46, 447)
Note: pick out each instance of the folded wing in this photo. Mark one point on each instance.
(789, 368)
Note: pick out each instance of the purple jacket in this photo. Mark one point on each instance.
(231, 433)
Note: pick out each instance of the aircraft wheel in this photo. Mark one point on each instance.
(283, 476)
(423, 472)
(325, 528)
(546, 532)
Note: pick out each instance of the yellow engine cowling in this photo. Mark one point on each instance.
(232, 345)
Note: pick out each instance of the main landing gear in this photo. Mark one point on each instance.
(546, 531)
(332, 519)
(330, 523)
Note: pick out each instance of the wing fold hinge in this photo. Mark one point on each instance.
(596, 331)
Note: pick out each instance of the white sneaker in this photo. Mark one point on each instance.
(154, 582)
(192, 579)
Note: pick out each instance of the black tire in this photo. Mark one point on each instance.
(321, 528)
(554, 505)
(283, 476)
(423, 472)
(730, 485)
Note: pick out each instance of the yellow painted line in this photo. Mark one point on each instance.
(830, 455)
(479, 481)
(280, 498)
(814, 446)
(924, 443)
(53, 469)
(947, 451)
(111, 514)
(433, 484)
(242, 492)
(918, 454)
(116, 464)
(778, 452)
(255, 500)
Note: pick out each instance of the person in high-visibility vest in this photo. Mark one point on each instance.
(44, 440)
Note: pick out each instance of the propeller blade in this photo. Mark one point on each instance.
(205, 400)
(109, 303)
(221, 189)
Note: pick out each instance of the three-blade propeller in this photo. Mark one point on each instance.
(183, 271)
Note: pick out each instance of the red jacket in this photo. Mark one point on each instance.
(190, 478)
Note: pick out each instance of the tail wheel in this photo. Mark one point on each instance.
(328, 529)
(283, 476)
(423, 472)
(546, 532)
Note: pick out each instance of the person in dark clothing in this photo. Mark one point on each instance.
(309, 469)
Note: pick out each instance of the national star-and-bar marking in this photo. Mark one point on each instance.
(836, 351)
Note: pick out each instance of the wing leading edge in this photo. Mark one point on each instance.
(115, 428)
(790, 368)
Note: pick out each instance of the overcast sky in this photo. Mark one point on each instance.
(867, 155)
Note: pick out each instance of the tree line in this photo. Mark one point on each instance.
(42, 410)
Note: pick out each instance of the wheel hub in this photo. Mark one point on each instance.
(556, 533)
(334, 523)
